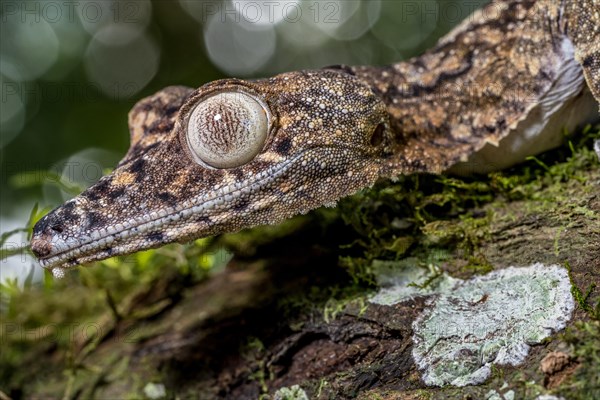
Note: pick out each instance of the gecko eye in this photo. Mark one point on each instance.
(227, 130)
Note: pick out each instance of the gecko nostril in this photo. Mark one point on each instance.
(377, 136)
(41, 247)
(57, 228)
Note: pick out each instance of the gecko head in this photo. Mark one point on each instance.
(230, 155)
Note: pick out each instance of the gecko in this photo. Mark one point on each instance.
(234, 153)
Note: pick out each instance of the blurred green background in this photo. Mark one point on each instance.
(70, 72)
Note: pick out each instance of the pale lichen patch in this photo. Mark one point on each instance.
(472, 324)
(155, 391)
(292, 393)
(401, 281)
(490, 320)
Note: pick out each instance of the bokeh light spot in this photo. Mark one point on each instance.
(33, 47)
(124, 68)
(237, 48)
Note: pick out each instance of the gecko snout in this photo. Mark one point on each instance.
(41, 244)
(40, 247)
(46, 231)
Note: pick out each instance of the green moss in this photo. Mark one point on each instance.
(584, 337)
(254, 352)
(583, 299)
(419, 215)
(72, 315)
(585, 382)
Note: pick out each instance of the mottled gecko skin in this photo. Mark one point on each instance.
(333, 132)
(482, 80)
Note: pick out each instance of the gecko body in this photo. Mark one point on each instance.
(235, 154)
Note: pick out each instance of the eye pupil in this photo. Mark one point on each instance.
(228, 129)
